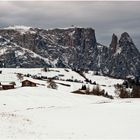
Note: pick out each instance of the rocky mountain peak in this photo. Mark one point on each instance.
(125, 38)
(125, 60)
(114, 43)
(125, 34)
(86, 37)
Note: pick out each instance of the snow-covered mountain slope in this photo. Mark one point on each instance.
(74, 47)
(43, 113)
(52, 72)
(13, 55)
(22, 29)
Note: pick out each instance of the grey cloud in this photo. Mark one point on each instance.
(105, 17)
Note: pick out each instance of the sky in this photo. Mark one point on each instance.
(105, 17)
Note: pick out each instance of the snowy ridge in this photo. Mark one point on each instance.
(18, 27)
(22, 52)
(65, 28)
(33, 54)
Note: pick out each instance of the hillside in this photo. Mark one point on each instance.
(44, 113)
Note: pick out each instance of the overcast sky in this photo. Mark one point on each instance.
(105, 17)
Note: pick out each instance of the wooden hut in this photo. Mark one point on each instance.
(7, 86)
(28, 83)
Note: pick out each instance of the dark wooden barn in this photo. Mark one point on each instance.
(7, 86)
(28, 83)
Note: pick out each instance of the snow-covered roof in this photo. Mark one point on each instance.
(34, 80)
(5, 83)
(29, 79)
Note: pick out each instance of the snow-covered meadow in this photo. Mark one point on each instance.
(44, 113)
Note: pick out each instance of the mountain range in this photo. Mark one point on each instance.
(73, 47)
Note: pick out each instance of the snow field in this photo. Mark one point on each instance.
(43, 113)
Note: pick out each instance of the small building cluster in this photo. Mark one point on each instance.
(11, 85)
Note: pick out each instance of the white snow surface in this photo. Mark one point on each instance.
(118, 51)
(105, 82)
(43, 113)
(18, 27)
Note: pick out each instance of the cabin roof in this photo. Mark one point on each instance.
(28, 80)
(36, 81)
(5, 83)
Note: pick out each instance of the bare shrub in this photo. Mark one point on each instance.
(45, 69)
(52, 84)
(83, 87)
(135, 92)
(121, 91)
(20, 76)
(87, 91)
(97, 91)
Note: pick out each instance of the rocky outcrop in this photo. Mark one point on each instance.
(114, 43)
(74, 47)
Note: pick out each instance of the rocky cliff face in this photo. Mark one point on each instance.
(125, 60)
(74, 48)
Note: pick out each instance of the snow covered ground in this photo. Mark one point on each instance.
(43, 113)
(105, 82)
